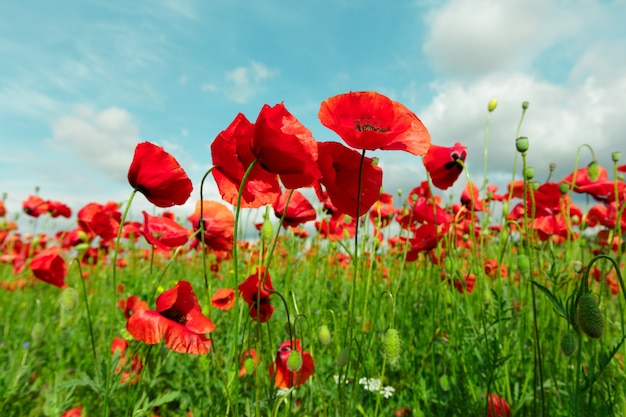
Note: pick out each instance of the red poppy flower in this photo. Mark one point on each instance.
(340, 168)
(338, 227)
(50, 267)
(497, 406)
(299, 211)
(3, 209)
(178, 319)
(131, 305)
(96, 219)
(231, 158)
(286, 378)
(284, 146)
(224, 299)
(256, 291)
(581, 177)
(157, 175)
(383, 211)
(56, 209)
(219, 225)
(368, 120)
(74, 412)
(470, 197)
(163, 232)
(425, 238)
(130, 370)
(35, 206)
(441, 164)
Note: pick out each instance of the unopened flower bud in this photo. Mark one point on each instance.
(493, 103)
(323, 333)
(267, 231)
(294, 361)
(589, 317)
(343, 358)
(564, 188)
(577, 266)
(593, 170)
(524, 105)
(392, 346)
(568, 343)
(521, 144)
(37, 332)
(523, 264)
(69, 299)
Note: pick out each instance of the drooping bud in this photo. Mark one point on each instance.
(493, 103)
(294, 361)
(323, 333)
(593, 170)
(69, 299)
(392, 345)
(568, 343)
(521, 144)
(589, 317)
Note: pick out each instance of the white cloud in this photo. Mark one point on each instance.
(243, 83)
(104, 140)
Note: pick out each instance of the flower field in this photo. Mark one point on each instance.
(347, 300)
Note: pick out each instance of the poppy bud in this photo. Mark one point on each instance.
(399, 192)
(552, 166)
(249, 365)
(589, 317)
(392, 346)
(448, 265)
(267, 231)
(81, 247)
(529, 173)
(294, 361)
(523, 264)
(616, 156)
(593, 170)
(521, 144)
(564, 188)
(37, 332)
(568, 344)
(493, 103)
(69, 298)
(343, 358)
(524, 105)
(324, 334)
(577, 266)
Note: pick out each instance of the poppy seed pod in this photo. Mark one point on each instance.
(521, 144)
(564, 188)
(529, 173)
(616, 156)
(589, 317)
(525, 105)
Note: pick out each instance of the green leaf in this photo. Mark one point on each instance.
(558, 305)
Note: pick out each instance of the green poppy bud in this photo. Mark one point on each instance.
(589, 317)
(294, 361)
(593, 170)
(523, 264)
(392, 346)
(568, 343)
(37, 332)
(493, 103)
(521, 144)
(69, 299)
(564, 188)
(524, 105)
(267, 231)
(323, 333)
(343, 358)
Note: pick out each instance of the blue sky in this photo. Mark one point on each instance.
(81, 82)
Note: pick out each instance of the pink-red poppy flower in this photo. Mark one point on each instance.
(368, 120)
(299, 210)
(157, 175)
(163, 232)
(74, 412)
(284, 146)
(219, 225)
(442, 166)
(288, 378)
(256, 291)
(178, 319)
(35, 206)
(50, 267)
(96, 219)
(231, 158)
(497, 406)
(223, 299)
(340, 168)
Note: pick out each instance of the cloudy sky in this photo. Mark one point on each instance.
(81, 83)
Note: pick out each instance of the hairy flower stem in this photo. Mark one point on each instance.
(207, 288)
(527, 242)
(107, 377)
(82, 281)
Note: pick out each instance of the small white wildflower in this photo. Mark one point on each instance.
(370, 384)
(387, 392)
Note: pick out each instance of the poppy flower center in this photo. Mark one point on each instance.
(368, 125)
(174, 314)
